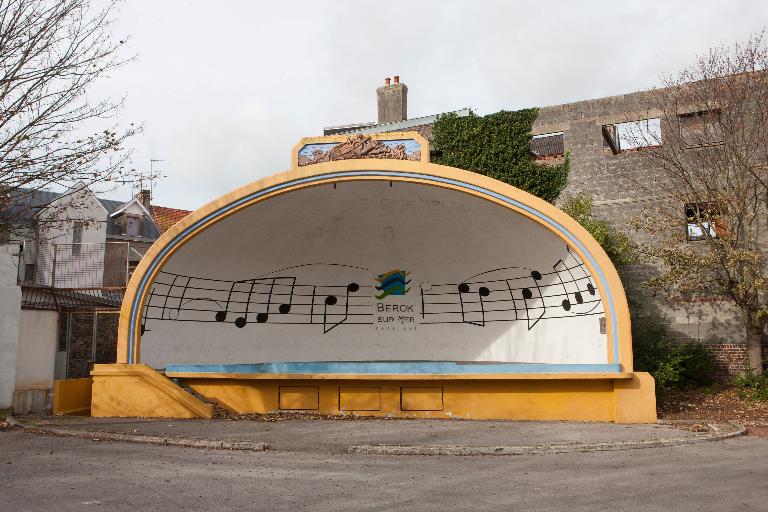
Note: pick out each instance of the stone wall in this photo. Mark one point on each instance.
(78, 328)
(623, 185)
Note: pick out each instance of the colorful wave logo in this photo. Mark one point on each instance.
(392, 283)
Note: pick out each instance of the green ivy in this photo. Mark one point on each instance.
(498, 146)
(616, 244)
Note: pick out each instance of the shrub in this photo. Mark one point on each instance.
(616, 244)
(672, 365)
(754, 386)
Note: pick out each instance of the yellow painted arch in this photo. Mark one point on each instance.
(618, 329)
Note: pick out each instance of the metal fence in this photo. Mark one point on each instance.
(74, 276)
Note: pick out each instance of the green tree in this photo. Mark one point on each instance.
(499, 146)
(616, 244)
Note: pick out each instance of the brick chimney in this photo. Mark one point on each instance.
(393, 101)
(145, 198)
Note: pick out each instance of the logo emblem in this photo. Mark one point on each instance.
(392, 283)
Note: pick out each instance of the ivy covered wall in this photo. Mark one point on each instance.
(499, 146)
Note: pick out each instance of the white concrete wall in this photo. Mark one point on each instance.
(35, 363)
(10, 308)
(328, 237)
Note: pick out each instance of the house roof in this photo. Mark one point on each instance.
(125, 205)
(405, 125)
(24, 203)
(165, 217)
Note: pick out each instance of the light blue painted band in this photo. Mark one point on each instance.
(134, 314)
(392, 368)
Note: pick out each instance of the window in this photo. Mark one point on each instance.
(632, 135)
(131, 225)
(547, 145)
(703, 221)
(700, 128)
(77, 237)
(29, 272)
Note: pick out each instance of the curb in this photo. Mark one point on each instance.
(187, 442)
(718, 432)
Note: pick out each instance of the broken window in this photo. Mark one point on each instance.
(704, 220)
(632, 135)
(700, 128)
(547, 145)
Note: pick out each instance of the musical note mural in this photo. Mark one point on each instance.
(561, 290)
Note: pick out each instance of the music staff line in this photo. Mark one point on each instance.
(489, 321)
(523, 277)
(281, 300)
(295, 294)
(229, 282)
(283, 307)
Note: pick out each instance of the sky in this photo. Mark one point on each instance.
(225, 89)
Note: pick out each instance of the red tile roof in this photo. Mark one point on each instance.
(165, 217)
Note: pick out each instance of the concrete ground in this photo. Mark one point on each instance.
(48, 473)
(336, 436)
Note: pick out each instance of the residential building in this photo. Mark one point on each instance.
(72, 254)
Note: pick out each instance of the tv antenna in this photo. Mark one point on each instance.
(153, 176)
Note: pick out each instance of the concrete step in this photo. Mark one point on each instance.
(197, 395)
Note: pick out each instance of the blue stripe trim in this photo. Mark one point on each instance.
(426, 177)
(393, 368)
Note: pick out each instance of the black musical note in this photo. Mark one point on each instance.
(286, 308)
(241, 321)
(528, 295)
(331, 300)
(566, 303)
(580, 264)
(222, 315)
(483, 291)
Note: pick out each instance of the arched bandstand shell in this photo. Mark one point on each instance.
(378, 287)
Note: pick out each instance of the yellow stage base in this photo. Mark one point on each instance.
(138, 391)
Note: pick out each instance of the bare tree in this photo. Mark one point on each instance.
(710, 235)
(51, 133)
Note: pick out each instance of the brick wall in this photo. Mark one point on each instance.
(730, 359)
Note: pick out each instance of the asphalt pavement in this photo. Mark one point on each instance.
(308, 466)
(51, 473)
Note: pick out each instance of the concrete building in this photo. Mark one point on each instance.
(66, 260)
(607, 166)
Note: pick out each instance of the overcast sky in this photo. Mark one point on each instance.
(225, 89)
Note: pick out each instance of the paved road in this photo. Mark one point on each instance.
(41, 473)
